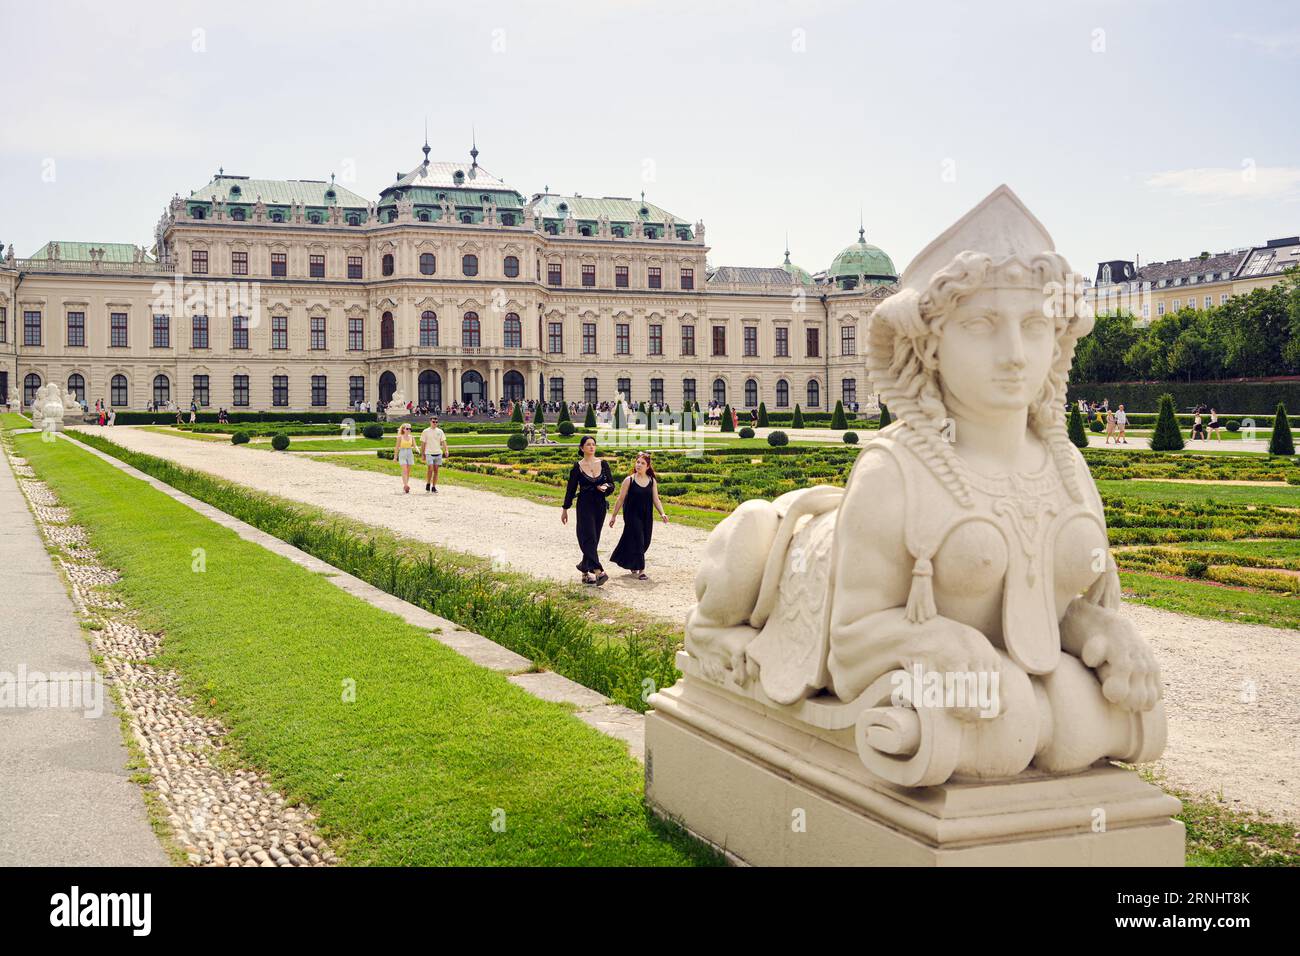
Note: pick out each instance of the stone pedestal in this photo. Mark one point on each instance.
(761, 782)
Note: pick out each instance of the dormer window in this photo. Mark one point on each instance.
(618, 231)
(507, 219)
(354, 220)
(392, 215)
(466, 217)
(330, 194)
(235, 192)
(1105, 274)
(424, 215)
(552, 229)
(484, 199)
(442, 195)
(459, 177)
(563, 207)
(313, 217)
(277, 216)
(644, 211)
(197, 212)
(237, 215)
(584, 230)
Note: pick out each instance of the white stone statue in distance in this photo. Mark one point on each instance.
(969, 543)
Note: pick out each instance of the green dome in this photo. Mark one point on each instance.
(801, 275)
(863, 261)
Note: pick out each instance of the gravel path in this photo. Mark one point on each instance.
(1232, 690)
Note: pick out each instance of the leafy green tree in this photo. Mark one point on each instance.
(838, 421)
(1077, 435)
(1281, 443)
(1167, 435)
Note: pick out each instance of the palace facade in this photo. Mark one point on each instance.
(293, 295)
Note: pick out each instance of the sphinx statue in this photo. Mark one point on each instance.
(967, 552)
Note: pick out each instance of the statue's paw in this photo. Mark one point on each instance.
(964, 660)
(1126, 668)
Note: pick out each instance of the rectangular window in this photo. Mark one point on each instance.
(1209, 301)
(751, 341)
(316, 266)
(623, 339)
(239, 332)
(280, 390)
(657, 391)
(239, 263)
(814, 343)
(279, 332)
(201, 391)
(279, 264)
(655, 278)
(318, 332)
(31, 328)
(356, 334)
(1178, 304)
(848, 340)
(117, 330)
(620, 277)
(555, 338)
(588, 338)
(162, 331)
(624, 385)
(656, 340)
(356, 389)
(688, 278)
(241, 390)
(76, 329)
(589, 391)
(688, 390)
(318, 393)
(557, 389)
(719, 340)
(849, 392)
(589, 275)
(1146, 310)
(199, 332)
(1160, 308)
(4, 329)
(554, 273)
(1223, 300)
(354, 267)
(688, 340)
(199, 261)
(782, 342)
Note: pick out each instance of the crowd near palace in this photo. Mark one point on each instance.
(452, 288)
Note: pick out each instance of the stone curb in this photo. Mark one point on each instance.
(592, 708)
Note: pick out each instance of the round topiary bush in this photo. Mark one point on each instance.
(517, 442)
(850, 438)
(1234, 425)
(778, 438)
(1095, 425)
(279, 441)
(746, 432)
(373, 430)
(566, 427)
(239, 438)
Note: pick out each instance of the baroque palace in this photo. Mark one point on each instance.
(453, 287)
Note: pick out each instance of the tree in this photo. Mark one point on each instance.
(838, 421)
(1167, 435)
(590, 420)
(1100, 354)
(1077, 435)
(564, 413)
(538, 417)
(797, 421)
(620, 416)
(517, 416)
(1281, 443)
(884, 416)
(762, 414)
(727, 425)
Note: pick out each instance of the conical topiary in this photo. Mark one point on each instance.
(590, 420)
(838, 421)
(762, 415)
(727, 425)
(620, 416)
(884, 416)
(1167, 435)
(538, 417)
(1281, 443)
(1077, 435)
(564, 413)
(798, 417)
(517, 416)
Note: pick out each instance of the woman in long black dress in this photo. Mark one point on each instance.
(591, 482)
(638, 499)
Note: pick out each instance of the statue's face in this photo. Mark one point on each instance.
(995, 351)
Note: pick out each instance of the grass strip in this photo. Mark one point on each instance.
(432, 752)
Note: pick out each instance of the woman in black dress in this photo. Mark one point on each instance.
(591, 482)
(638, 499)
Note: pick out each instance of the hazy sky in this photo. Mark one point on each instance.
(1159, 128)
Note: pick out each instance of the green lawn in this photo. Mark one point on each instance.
(1185, 492)
(11, 422)
(413, 771)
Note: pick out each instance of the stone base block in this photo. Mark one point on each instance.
(771, 793)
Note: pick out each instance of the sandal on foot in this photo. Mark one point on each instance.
(643, 577)
(600, 579)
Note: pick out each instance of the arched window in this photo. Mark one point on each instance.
(466, 218)
(429, 387)
(512, 267)
(388, 264)
(428, 329)
(313, 217)
(237, 215)
(77, 386)
(751, 393)
(814, 393)
(507, 219)
(427, 263)
(469, 264)
(31, 385)
(719, 391)
(197, 212)
(162, 390)
(514, 330)
(386, 336)
(277, 216)
(470, 337)
(117, 394)
(423, 215)
(782, 393)
(512, 386)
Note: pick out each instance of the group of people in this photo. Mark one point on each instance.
(433, 452)
(1200, 427)
(1115, 420)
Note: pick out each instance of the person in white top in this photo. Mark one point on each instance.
(433, 446)
(1121, 423)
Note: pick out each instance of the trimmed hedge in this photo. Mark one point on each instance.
(239, 438)
(279, 441)
(517, 442)
(778, 439)
(372, 430)
(746, 432)
(236, 418)
(564, 428)
(1239, 398)
(850, 438)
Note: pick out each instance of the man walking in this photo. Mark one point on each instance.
(433, 446)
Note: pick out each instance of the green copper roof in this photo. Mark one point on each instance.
(308, 192)
(80, 251)
(616, 208)
(801, 275)
(864, 260)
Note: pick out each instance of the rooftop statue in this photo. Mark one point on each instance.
(969, 540)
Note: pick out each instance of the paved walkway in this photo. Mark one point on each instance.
(65, 795)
